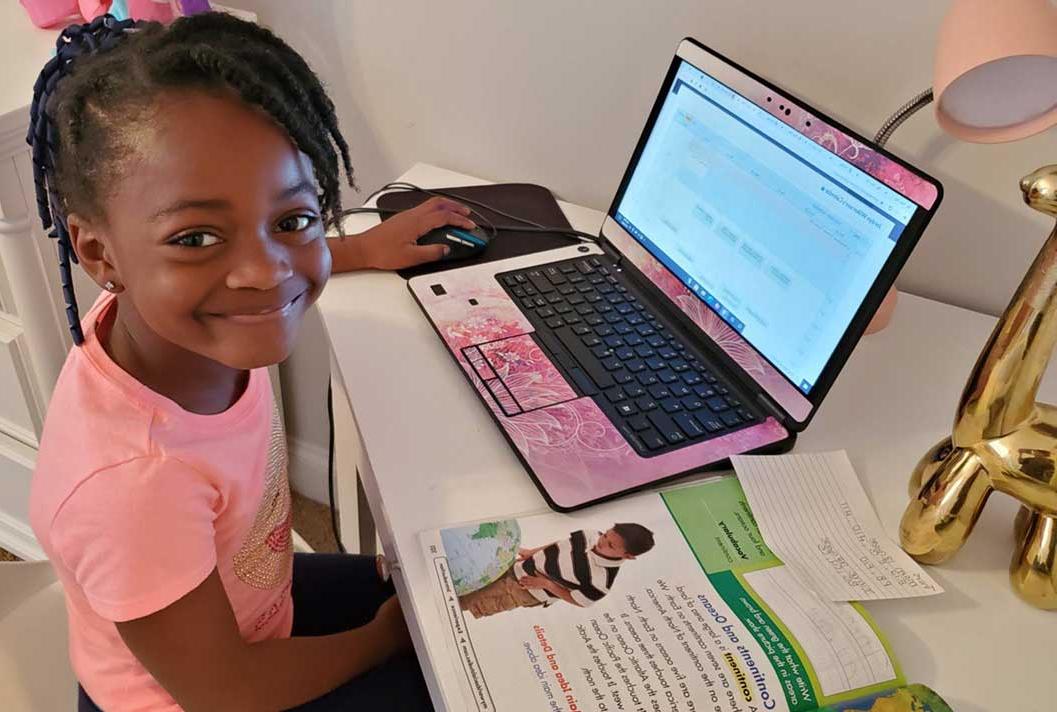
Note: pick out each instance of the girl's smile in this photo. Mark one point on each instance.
(253, 315)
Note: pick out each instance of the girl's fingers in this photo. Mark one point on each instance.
(461, 220)
(432, 220)
(441, 203)
(435, 219)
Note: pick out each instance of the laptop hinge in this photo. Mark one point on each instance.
(610, 249)
(771, 406)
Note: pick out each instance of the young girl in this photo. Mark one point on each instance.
(192, 171)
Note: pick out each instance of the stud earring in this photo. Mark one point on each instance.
(110, 286)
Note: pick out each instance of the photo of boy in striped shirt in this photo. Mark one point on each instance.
(579, 570)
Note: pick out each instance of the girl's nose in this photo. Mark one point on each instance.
(263, 264)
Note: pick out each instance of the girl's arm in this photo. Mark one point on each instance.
(392, 244)
(194, 650)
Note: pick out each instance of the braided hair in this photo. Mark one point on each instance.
(103, 80)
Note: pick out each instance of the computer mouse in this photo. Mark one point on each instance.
(463, 243)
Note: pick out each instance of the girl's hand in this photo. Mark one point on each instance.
(391, 627)
(391, 245)
(523, 554)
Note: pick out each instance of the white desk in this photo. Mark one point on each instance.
(977, 644)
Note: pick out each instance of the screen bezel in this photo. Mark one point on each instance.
(709, 61)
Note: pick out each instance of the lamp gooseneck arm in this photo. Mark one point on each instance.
(904, 112)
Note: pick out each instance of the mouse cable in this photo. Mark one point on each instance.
(527, 225)
(501, 228)
(405, 186)
(411, 187)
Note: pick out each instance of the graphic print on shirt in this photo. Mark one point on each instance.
(266, 556)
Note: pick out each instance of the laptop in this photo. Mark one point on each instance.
(747, 247)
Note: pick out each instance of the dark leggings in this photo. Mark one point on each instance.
(332, 593)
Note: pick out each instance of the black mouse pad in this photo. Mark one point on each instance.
(526, 200)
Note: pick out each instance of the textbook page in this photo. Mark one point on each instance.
(708, 619)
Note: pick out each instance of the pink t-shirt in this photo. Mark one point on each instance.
(136, 501)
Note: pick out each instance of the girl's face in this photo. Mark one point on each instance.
(214, 233)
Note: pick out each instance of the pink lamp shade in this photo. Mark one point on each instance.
(996, 69)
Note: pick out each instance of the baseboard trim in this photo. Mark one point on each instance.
(308, 469)
(18, 538)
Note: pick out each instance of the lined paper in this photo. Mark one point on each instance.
(815, 516)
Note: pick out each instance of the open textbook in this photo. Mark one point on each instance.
(667, 601)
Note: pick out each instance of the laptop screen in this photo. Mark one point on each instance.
(776, 234)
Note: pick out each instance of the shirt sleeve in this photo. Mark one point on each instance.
(138, 536)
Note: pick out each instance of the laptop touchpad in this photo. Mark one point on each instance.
(526, 372)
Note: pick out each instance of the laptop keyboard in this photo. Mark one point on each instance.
(649, 382)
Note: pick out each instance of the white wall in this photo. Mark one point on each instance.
(556, 92)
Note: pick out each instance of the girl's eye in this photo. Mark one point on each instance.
(196, 239)
(295, 223)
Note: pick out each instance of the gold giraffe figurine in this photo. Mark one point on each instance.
(1003, 439)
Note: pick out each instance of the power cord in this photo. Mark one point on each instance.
(330, 469)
